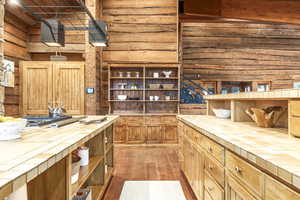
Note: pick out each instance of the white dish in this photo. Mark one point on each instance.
(222, 113)
(122, 97)
(11, 130)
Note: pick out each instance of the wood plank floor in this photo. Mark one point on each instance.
(145, 163)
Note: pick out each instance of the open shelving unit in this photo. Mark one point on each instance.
(97, 175)
(139, 83)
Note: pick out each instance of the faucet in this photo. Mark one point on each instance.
(55, 112)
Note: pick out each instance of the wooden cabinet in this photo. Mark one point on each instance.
(54, 84)
(37, 87)
(234, 190)
(135, 134)
(120, 134)
(278, 191)
(146, 130)
(154, 134)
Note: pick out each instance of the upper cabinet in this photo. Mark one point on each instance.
(52, 84)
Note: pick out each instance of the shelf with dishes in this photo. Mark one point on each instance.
(135, 88)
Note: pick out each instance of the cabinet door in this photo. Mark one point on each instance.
(154, 134)
(235, 190)
(135, 134)
(36, 87)
(120, 134)
(170, 134)
(68, 87)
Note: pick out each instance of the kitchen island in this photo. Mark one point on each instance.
(43, 155)
(236, 159)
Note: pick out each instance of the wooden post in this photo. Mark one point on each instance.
(92, 68)
(2, 91)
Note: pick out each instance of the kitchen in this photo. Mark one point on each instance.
(153, 99)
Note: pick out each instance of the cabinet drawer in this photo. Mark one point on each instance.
(245, 172)
(278, 191)
(214, 190)
(215, 170)
(295, 126)
(295, 108)
(214, 149)
(135, 120)
(153, 120)
(169, 120)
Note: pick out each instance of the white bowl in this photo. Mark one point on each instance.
(122, 97)
(11, 130)
(222, 113)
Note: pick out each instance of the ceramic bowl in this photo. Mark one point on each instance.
(222, 113)
(122, 97)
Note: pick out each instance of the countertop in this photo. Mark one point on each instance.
(283, 94)
(23, 159)
(272, 149)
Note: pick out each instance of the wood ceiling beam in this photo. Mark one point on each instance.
(286, 11)
(68, 48)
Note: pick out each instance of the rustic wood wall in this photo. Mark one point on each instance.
(1, 55)
(142, 31)
(242, 51)
(15, 49)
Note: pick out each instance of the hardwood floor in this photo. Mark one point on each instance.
(145, 163)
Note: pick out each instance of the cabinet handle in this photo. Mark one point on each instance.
(238, 170)
(210, 149)
(210, 167)
(210, 189)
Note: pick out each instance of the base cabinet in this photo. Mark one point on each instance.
(146, 130)
(216, 173)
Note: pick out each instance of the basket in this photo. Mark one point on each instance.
(168, 86)
(11, 130)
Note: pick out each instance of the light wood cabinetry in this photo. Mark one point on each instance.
(37, 87)
(216, 173)
(54, 84)
(146, 130)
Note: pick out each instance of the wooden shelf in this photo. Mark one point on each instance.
(161, 78)
(127, 101)
(97, 192)
(115, 89)
(108, 147)
(173, 89)
(148, 101)
(128, 78)
(85, 173)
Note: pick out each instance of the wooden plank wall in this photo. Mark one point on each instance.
(1, 55)
(141, 31)
(242, 51)
(15, 49)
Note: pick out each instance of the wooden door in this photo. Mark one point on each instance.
(235, 190)
(120, 134)
(170, 134)
(135, 134)
(36, 87)
(154, 134)
(68, 87)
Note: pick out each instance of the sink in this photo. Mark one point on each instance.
(43, 120)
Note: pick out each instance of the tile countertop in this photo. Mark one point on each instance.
(40, 148)
(270, 148)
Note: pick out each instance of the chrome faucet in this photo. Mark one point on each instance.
(55, 112)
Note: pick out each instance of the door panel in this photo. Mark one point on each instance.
(68, 87)
(154, 134)
(120, 135)
(135, 134)
(171, 134)
(37, 87)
